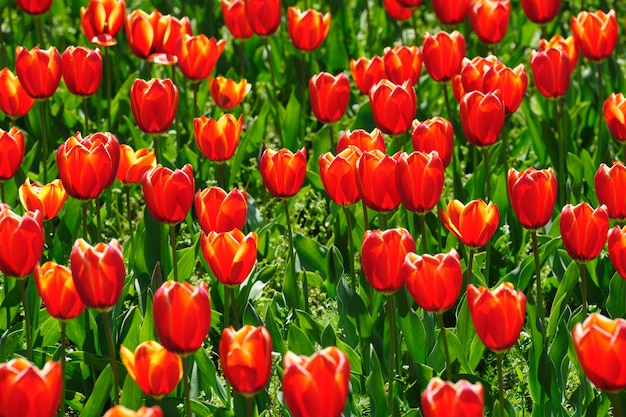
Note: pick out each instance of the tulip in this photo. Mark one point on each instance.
(434, 134)
(14, 100)
(410, 4)
(57, 290)
(308, 29)
(482, 118)
(532, 194)
(472, 76)
(362, 139)
(228, 93)
(154, 104)
(48, 198)
(197, 55)
(595, 33)
(82, 70)
(27, 391)
(283, 171)
(182, 316)
(472, 224)
(235, 19)
(566, 44)
(376, 179)
(230, 255)
(541, 12)
(498, 315)
(393, 106)
(445, 399)
(102, 20)
(39, 70)
(134, 164)
(87, 166)
(338, 174)
(584, 230)
(330, 96)
(615, 116)
(382, 256)
(22, 242)
(367, 72)
(218, 139)
(98, 273)
(121, 411)
(511, 82)
(599, 343)
(169, 194)
(610, 185)
(490, 19)
(451, 12)
(34, 7)
(419, 180)
(316, 385)
(403, 63)
(551, 71)
(617, 249)
(156, 370)
(220, 212)
(12, 147)
(263, 15)
(443, 54)
(397, 11)
(246, 358)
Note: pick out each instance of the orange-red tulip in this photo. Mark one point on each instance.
(227, 93)
(34, 7)
(610, 185)
(367, 72)
(156, 370)
(182, 316)
(98, 273)
(283, 171)
(263, 15)
(218, 139)
(446, 399)
(472, 76)
(382, 256)
(551, 71)
(595, 33)
(338, 174)
(230, 255)
(482, 118)
(434, 134)
(498, 315)
(197, 55)
(57, 290)
(403, 63)
(218, 211)
(397, 11)
(451, 12)
(169, 194)
(234, 13)
(316, 386)
(48, 198)
(27, 391)
(419, 180)
(617, 249)
(599, 343)
(566, 44)
(584, 230)
(443, 54)
(330, 96)
(307, 29)
(121, 411)
(22, 240)
(39, 70)
(246, 358)
(532, 194)
(134, 164)
(12, 147)
(472, 224)
(376, 179)
(511, 82)
(102, 20)
(362, 139)
(393, 106)
(615, 115)
(490, 19)
(82, 70)
(541, 12)
(154, 104)
(14, 100)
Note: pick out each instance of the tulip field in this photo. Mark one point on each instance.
(312, 209)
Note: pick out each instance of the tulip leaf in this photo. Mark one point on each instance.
(49, 331)
(312, 254)
(208, 373)
(9, 343)
(358, 310)
(132, 395)
(147, 326)
(328, 337)
(123, 94)
(415, 336)
(457, 351)
(290, 123)
(272, 322)
(130, 332)
(534, 131)
(187, 259)
(569, 281)
(616, 302)
(250, 142)
(100, 394)
(309, 325)
(298, 342)
(576, 172)
(376, 386)
(200, 410)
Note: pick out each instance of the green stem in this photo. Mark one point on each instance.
(86, 116)
(112, 352)
(6, 296)
(384, 220)
(617, 403)
(44, 140)
(155, 146)
(226, 316)
(196, 111)
(39, 23)
(85, 220)
(583, 286)
(173, 246)
(422, 217)
(2, 192)
(624, 151)
(368, 19)
(27, 322)
(561, 167)
(303, 89)
(540, 313)
(365, 216)
(487, 172)
(129, 210)
(346, 211)
(332, 138)
(249, 406)
(231, 291)
(505, 143)
(392, 351)
(98, 218)
(445, 346)
(274, 93)
(220, 175)
(63, 343)
(500, 383)
(470, 265)
(185, 361)
(242, 59)
(292, 256)
(107, 74)
(602, 146)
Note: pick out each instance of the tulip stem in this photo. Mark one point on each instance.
(602, 146)
(39, 23)
(561, 143)
(392, 352)
(624, 151)
(346, 211)
(500, 383)
(365, 217)
(617, 403)
(195, 86)
(155, 146)
(292, 257)
(220, 175)
(275, 92)
(446, 351)
(231, 292)
(2, 194)
(583, 286)
(469, 267)
(226, 316)
(85, 220)
(44, 140)
(487, 172)
(128, 209)
(98, 219)
(422, 217)
(62, 359)
(173, 246)
(540, 313)
(109, 334)
(242, 58)
(27, 325)
(107, 74)
(383, 220)
(249, 406)
(185, 361)
(332, 137)
(86, 116)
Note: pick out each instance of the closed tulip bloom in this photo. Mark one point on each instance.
(246, 358)
(541, 12)
(154, 104)
(434, 281)
(617, 249)
(134, 164)
(595, 33)
(121, 411)
(566, 44)
(197, 55)
(263, 15)
(443, 54)
(227, 93)
(382, 256)
(316, 386)
(445, 399)
(182, 316)
(34, 7)
(615, 115)
(39, 70)
(338, 174)
(419, 179)
(498, 315)
(82, 70)
(584, 230)
(367, 72)
(218, 211)
(393, 106)
(22, 242)
(27, 391)
(473, 73)
(512, 84)
(230, 255)
(362, 139)
(156, 370)
(532, 194)
(490, 19)
(87, 166)
(98, 273)
(397, 11)
(610, 185)
(551, 71)
(169, 194)
(599, 343)
(48, 198)
(307, 29)
(57, 290)
(434, 134)
(283, 171)
(482, 118)
(376, 179)
(14, 100)
(234, 13)
(329, 95)
(12, 147)
(451, 12)
(102, 20)
(403, 63)
(472, 224)
(218, 139)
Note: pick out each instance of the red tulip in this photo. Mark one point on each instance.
(472, 76)
(472, 224)
(482, 118)
(82, 70)
(48, 198)
(367, 72)
(443, 54)
(330, 96)
(511, 82)
(23, 240)
(156, 370)
(228, 94)
(121, 411)
(154, 104)
(532, 194)
(218, 139)
(403, 63)
(551, 71)
(39, 70)
(34, 7)
(617, 249)
(610, 184)
(595, 33)
(565, 44)
(230, 255)
(362, 139)
(434, 134)
(235, 19)
(218, 211)
(263, 15)
(446, 399)
(397, 11)
(584, 230)
(102, 20)
(307, 29)
(393, 106)
(419, 180)
(14, 100)
(541, 12)
(12, 147)
(451, 12)
(615, 116)
(58, 292)
(27, 391)
(169, 194)
(490, 19)
(197, 55)
(134, 164)
(338, 174)
(376, 179)
(283, 171)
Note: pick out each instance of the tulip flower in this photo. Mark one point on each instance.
(230, 255)
(134, 164)
(566, 44)
(541, 12)
(246, 358)
(102, 20)
(410, 4)
(617, 249)
(38, 391)
(397, 11)
(595, 33)
(182, 316)
(12, 147)
(283, 171)
(197, 55)
(34, 7)
(156, 370)
(307, 29)
(87, 166)
(169, 194)
(218, 211)
(382, 255)
(48, 198)
(615, 116)
(376, 179)
(263, 15)
(443, 54)
(434, 134)
(451, 12)
(338, 174)
(14, 100)
(584, 230)
(235, 19)
(510, 82)
(362, 139)
(121, 411)
(367, 72)
(22, 242)
(227, 93)
(393, 106)
(610, 185)
(218, 139)
(154, 104)
(330, 96)
(472, 224)
(419, 180)
(39, 70)
(551, 71)
(403, 63)
(445, 399)
(57, 290)
(490, 19)
(472, 76)
(482, 118)
(599, 343)
(532, 194)
(316, 385)
(82, 70)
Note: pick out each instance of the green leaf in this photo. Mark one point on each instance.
(570, 279)
(291, 122)
(616, 301)
(376, 387)
(132, 394)
(312, 254)
(414, 335)
(298, 342)
(208, 373)
(100, 394)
